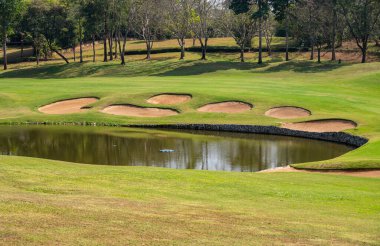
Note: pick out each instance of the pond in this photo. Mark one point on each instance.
(164, 148)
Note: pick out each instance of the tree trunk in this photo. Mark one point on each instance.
(80, 44)
(182, 45)
(319, 55)
(93, 48)
(287, 41)
(333, 51)
(22, 46)
(148, 50)
(5, 61)
(312, 53)
(116, 45)
(364, 53)
(260, 41)
(60, 55)
(269, 48)
(122, 53)
(38, 57)
(110, 47)
(242, 54)
(105, 38)
(204, 48)
(74, 53)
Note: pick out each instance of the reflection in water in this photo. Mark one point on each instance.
(140, 147)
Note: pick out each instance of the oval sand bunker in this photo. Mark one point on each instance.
(136, 111)
(69, 106)
(226, 107)
(321, 125)
(169, 99)
(288, 112)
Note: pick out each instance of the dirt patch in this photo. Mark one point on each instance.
(332, 125)
(169, 99)
(69, 106)
(232, 107)
(288, 112)
(136, 111)
(358, 173)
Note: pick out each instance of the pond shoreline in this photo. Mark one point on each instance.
(337, 137)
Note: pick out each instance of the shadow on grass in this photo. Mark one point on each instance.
(164, 66)
(203, 67)
(303, 67)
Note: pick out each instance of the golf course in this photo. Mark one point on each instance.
(190, 122)
(53, 202)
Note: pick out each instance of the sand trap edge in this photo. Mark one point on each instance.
(170, 94)
(69, 99)
(233, 101)
(287, 106)
(354, 124)
(137, 106)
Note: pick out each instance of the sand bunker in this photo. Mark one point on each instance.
(226, 107)
(288, 112)
(69, 106)
(169, 99)
(355, 173)
(321, 125)
(136, 111)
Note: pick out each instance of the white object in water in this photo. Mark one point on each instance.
(166, 150)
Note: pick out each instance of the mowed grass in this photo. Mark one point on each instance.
(49, 202)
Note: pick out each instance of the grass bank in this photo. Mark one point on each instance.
(50, 202)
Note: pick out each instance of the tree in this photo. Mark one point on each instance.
(77, 18)
(9, 11)
(362, 18)
(124, 18)
(282, 11)
(148, 22)
(238, 23)
(179, 19)
(92, 12)
(260, 15)
(269, 28)
(202, 22)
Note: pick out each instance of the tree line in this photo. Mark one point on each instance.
(53, 25)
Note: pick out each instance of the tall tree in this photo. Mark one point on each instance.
(76, 16)
(9, 10)
(282, 11)
(92, 12)
(238, 23)
(124, 15)
(260, 15)
(148, 22)
(362, 18)
(179, 19)
(202, 22)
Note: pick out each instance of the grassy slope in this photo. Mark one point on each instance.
(49, 202)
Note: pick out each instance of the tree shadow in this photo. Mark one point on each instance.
(303, 67)
(203, 67)
(165, 66)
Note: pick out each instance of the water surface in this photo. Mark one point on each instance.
(141, 147)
